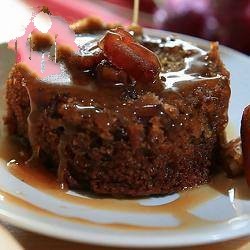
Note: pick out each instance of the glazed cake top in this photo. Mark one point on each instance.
(116, 76)
(90, 74)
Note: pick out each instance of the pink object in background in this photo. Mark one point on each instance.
(110, 11)
(183, 16)
(37, 61)
(75, 9)
(226, 21)
(233, 18)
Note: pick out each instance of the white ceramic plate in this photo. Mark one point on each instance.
(211, 213)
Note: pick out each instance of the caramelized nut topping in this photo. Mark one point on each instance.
(41, 41)
(89, 24)
(123, 52)
(107, 74)
(232, 158)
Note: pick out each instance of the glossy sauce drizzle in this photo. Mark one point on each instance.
(181, 73)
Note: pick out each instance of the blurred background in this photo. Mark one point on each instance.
(227, 21)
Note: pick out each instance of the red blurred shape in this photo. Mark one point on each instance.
(74, 10)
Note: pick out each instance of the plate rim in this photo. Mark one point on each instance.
(105, 239)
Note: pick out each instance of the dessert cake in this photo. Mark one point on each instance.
(127, 116)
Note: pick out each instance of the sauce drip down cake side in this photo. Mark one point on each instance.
(113, 131)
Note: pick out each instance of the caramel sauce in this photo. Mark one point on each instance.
(231, 132)
(223, 185)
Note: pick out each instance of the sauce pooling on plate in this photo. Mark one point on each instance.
(42, 179)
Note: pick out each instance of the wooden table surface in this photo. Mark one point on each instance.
(33, 241)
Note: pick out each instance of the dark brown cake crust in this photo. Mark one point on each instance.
(127, 141)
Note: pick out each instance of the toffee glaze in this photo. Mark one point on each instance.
(178, 76)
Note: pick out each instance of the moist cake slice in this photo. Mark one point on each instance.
(112, 124)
